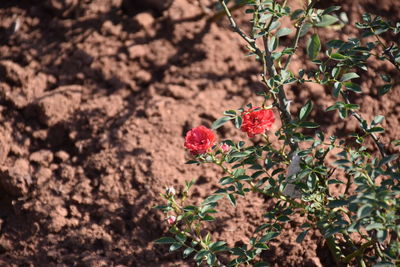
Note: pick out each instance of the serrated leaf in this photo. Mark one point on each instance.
(283, 32)
(305, 110)
(349, 76)
(313, 46)
(221, 121)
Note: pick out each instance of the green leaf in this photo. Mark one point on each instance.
(305, 110)
(330, 9)
(337, 86)
(338, 57)
(376, 130)
(378, 119)
(212, 199)
(175, 246)
(313, 46)
(283, 32)
(272, 43)
(382, 90)
(308, 124)
(238, 122)
(165, 240)
(327, 20)
(230, 112)
(337, 203)
(232, 199)
(364, 211)
(374, 226)
(301, 236)
(306, 27)
(268, 236)
(387, 159)
(349, 76)
(187, 252)
(221, 121)
(353, 87)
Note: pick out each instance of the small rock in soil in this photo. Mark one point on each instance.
(43, 157)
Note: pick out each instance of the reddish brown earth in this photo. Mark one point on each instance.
(95, 99)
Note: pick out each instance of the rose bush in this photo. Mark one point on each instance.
(360, 225)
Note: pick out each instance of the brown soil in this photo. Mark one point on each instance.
(95, 99)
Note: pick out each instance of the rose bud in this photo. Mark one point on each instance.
(257, 121)
(170, 191)
(199, 140)
(225, 148)
(171, 219)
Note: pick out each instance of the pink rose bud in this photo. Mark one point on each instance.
(225, 148)
(171, 219)
(170, 191)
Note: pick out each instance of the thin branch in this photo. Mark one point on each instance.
(298, 32)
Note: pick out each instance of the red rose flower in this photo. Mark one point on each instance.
(199, 140)
(257, 121)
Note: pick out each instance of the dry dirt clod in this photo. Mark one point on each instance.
(16, 180)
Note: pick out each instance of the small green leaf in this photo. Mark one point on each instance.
(338, 57)
(349, 76)
(337, 203)
(305, 110)
(353, 87)
(212, 199)
(313, 46)
(283, 32)
(382, 90)
(337, 86)
(268, 236)
(330, 9)
(308, 124)
(364, 211)
(221, 121)
(232, 199)
(165, 240)
(238, 122)
(175, 246)
(376, 130)
(187, 252)
(301, 236)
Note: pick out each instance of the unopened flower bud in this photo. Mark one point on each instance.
(171, 219)
(225, 148)
(170, 191)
